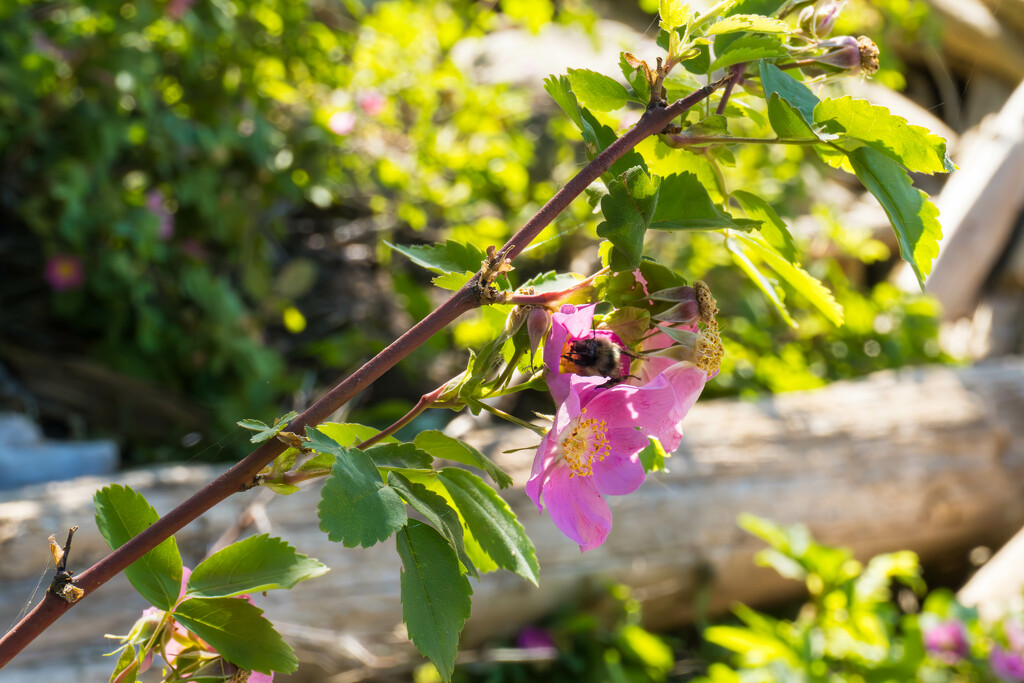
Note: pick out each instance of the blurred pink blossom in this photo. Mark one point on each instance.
(947, 641)
(342, 122)
(155, 204)
(372, 102)
(64, 272)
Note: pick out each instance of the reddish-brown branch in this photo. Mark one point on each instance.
(734, 77)
(235, 479)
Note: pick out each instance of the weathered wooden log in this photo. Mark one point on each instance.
(976, 41)
(925, 459)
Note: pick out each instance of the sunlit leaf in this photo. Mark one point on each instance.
(913, 216)
(597, 92)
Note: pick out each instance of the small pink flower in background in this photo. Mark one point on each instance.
(534, 638)
(947, 641)
(1007, 666)
(155, 204)
(372, 102)
(64, 272)
(593, 450)
(176, 8)
(193, 248)
(342, 122)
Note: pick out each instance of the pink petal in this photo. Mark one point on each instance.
(621, 471)
(542, 464)
(577, 509)
(257, 677)
(185, 574)
(569, 322)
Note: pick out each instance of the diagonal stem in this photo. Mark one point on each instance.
(234, 480)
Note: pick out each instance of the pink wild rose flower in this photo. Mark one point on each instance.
(600, 428)
(593, 450)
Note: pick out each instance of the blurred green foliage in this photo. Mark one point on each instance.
(602, 641)
(854, 628)
(225, 173)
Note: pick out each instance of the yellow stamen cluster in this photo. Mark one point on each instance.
(587, 442)
(709, 351)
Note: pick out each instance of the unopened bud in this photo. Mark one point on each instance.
(843, 53)
(818, 21)
(851, 54)
(806, 19)
(537, 325)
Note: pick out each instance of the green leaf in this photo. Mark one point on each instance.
(773, 229)
(799, 279)
(684, 204)
(700, 63)
(673, 14)
(450, 257)
(435, 510)
(399, 455)
(751, 23)
(788, 88)
(435, 594)
(653, 456)
(637, 80)
(253, 565)
(492, 522)
(561, 92)
(238, 630)
(597, 92)
(755, 649)
(914, 147)
(603, 137)
(356, 506)
(349, 433)
(254, 425)
(122, 514)
(622, 289)
(127, 659)
(750, 48)
(453, 281)
(628, 208)
(445, 447)
(786, 120)
(768, 286)
(430, 480)
(716, 124)
(914, 218)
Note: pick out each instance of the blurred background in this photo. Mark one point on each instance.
(196, 198)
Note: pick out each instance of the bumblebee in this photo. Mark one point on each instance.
(598, 357)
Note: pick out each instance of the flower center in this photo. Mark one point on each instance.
(587, 442)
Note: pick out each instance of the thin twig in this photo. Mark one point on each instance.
(735, 75)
